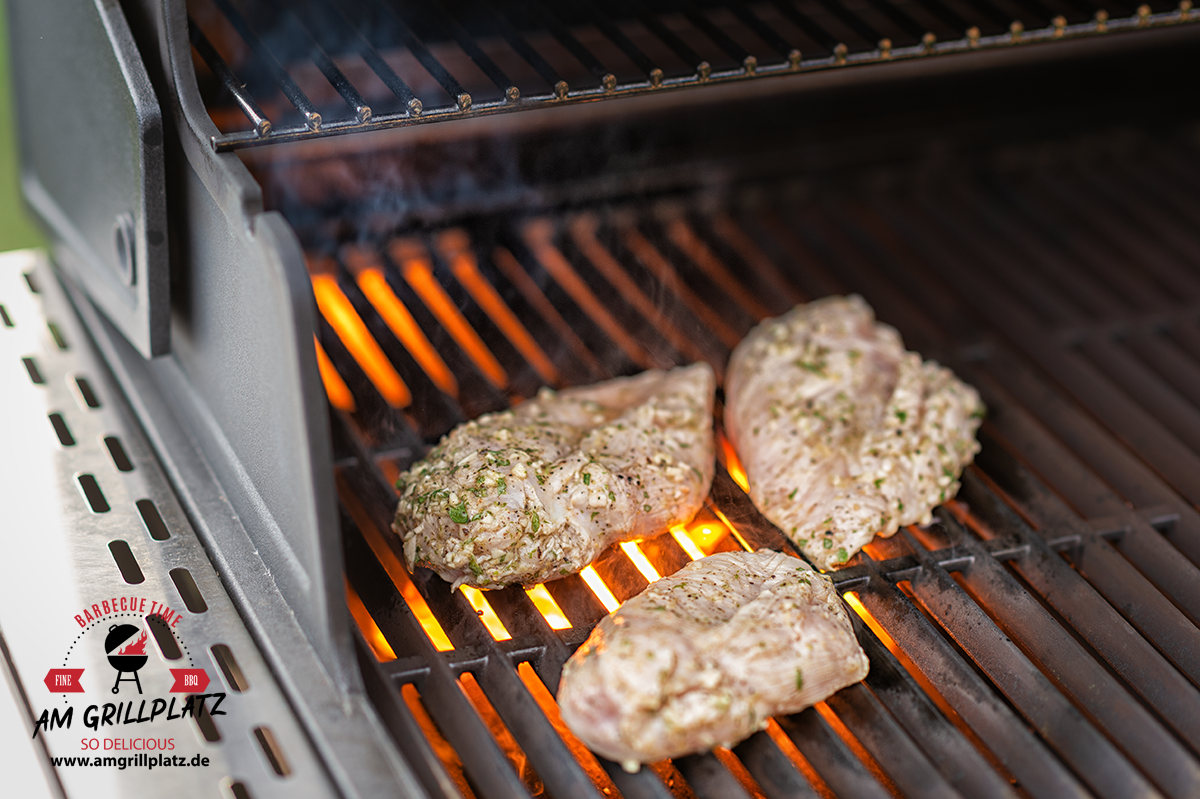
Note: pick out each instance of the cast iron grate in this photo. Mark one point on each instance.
(276, 71)
(1038, 639)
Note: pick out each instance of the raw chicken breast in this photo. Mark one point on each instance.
(704, 657)
(538, 491)
(842, 433)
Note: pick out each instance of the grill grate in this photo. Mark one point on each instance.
(1038, 639)
(282, 72)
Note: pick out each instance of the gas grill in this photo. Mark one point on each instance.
(348, 227)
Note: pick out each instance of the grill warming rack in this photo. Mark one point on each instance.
(377, 64)
(1038, 639)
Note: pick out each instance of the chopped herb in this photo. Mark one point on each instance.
(979, 412)
(587, 478)
(793, 494)
(799, 680)
(502, 484)
(595, 513)
(827, 543)
(878, 482)
(842, 555)
(541, 479)
(902, 416)
(534, 522)
(612, 497)
(459, 512)
(900, 506)
(474, 566)
(646, 508)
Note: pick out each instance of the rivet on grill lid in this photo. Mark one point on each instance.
(927, 41)
(703, 71)
(609, 82)
(1060, 24)
(885, 48)
(656, 77)
(1016, 29)
(794, 59)
(839, 53)
(973, 36)
(560, 90)
(415, 107)
(750, 64)
(1101, 21)
(1143, 13)
(464, 102)
(512, 94)
(313, 120)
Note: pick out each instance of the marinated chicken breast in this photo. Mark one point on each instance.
(538, 491)
(843, 434)
(706, 656)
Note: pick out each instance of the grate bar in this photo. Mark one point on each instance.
(709, 777)
(1064, 728)
(267, 58)
(640, 60)
(1023, 755)
(243, 98)
(335, 76)
(481, 59)
(377, 63)
(830, 756)
(531, 56)
(427, 60)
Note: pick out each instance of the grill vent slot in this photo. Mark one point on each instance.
(192, 597)
(155, 525)
(164, 637)
(35, 375)
(270, 747)
(4, 317)
(62, 430)
(59, 340)
(86, 395)
(92, 493)
(117, 452)
(126, 562)
(230, 668)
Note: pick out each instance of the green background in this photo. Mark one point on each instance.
(17, 228)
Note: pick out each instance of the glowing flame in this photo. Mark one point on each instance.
(370, 630)
(455, 247)
(138, 647)
(417, 270)
(592, 578)
(640, 560)
(486, 614)
(337, 309)
(394, 568)
(339, 393)
(398, 319)
(733, 465)
(680, 534)
(549, 609)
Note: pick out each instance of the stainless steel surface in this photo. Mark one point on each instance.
(91, 138)
(57, 561)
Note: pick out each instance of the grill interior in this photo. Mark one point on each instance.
(272, 72)
(1038, 639)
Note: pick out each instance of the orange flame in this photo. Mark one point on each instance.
(635, 554)
(733, 464)
(549, 609)
(335, 387)
(592, 578)
(486, 614)
(418, 272)
(370, 630)
(138, 647)
(455, 247)
(337, 309)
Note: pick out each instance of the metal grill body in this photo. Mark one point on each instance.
(1038, 639)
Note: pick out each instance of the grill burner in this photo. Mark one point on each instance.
(319, 68)
(1038, 638)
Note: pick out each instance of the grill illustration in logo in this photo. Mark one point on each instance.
(125, 654)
